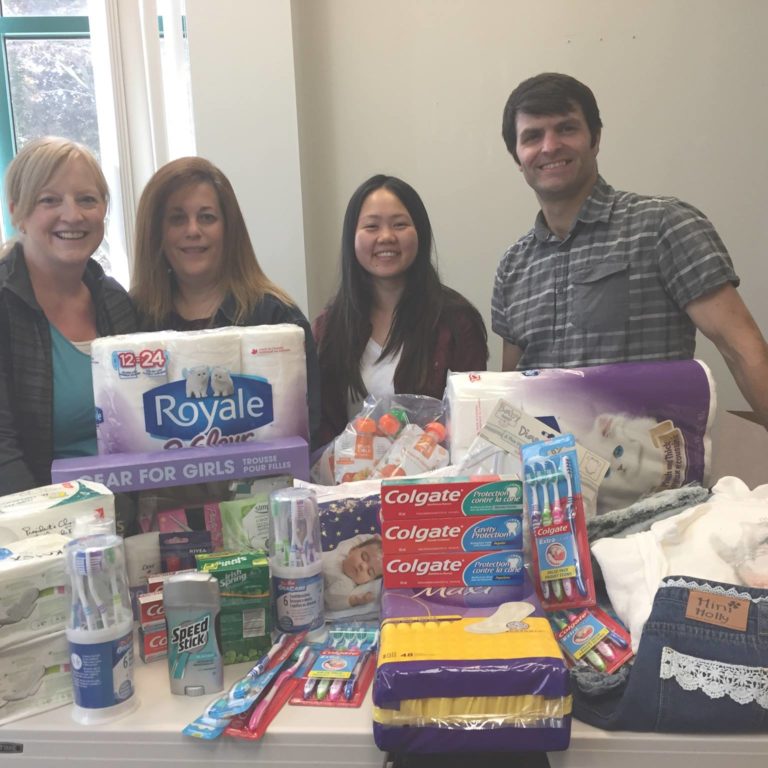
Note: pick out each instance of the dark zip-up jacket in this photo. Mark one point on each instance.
(26, 367)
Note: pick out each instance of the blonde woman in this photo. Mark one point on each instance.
(54, 300)
(195, 267)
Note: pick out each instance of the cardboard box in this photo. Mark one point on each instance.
(739, 448)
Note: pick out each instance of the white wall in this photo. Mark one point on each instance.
(244, 97)
(416, 88)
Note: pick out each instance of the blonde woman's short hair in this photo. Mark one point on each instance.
(36, 162)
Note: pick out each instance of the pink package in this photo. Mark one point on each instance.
(453, 569)
(203, 517)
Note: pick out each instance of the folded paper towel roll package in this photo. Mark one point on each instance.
(173, 389)
(469, 669)
(651, 421)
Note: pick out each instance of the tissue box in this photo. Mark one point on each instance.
(52, 509)
(469, 669)
(34, 677)
(33, 595)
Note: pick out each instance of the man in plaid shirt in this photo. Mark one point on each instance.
(607, 276)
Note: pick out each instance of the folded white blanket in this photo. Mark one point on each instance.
(725, 539)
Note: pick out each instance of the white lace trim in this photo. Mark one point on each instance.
(718, 590)
(715, 678)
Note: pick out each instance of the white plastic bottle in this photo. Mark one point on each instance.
(100, 629)
(295, 560)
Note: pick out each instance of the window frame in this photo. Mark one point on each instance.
(29, 28)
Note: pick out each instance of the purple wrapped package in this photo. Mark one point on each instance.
(469, 669)
(651, 420)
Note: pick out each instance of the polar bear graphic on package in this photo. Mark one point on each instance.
(197, 380)
(221, 382)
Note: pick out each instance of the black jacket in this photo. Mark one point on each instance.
(26, 367)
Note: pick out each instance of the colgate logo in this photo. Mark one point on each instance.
(421, 534)
(169, 413)
(154, 610)
(551, 530)
(423, 567)
(420, 498)
(158, 642)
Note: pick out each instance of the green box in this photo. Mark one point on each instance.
(245, 618)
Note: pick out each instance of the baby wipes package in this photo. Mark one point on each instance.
(53, 509)
(33, 598)
(35, 676)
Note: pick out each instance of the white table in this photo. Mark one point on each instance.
(313, 736)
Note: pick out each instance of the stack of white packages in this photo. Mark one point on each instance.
(172, 389)
(35, 526)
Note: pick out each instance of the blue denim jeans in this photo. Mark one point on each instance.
(688, 676)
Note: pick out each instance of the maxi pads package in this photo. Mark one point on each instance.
(469, 670)
(173, 389)
(34, 677)
(33, 599)
(651, 420)
(53, 509)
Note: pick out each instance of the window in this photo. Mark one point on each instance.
(48, 57)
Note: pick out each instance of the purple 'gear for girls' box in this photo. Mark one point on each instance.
(469, 669)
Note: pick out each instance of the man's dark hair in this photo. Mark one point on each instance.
(549, 93)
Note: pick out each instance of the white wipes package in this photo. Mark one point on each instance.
(53, 509)
(181, 389)
(34, 677)
(33, 599)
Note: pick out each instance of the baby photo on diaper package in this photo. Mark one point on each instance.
(352, 561)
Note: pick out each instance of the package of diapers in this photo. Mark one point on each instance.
(469, 669)
(34, 677)
(53, 509)
(33, 594)
(174, 389)
(651, 420)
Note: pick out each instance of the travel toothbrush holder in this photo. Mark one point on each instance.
(295, 560)
(100, 629)
(561, 561)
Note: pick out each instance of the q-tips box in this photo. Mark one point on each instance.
(450, 497)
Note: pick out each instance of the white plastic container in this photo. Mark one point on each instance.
(100, 630)
(295, 560)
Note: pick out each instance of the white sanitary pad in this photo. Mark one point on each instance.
(53, 509)
(33, 599)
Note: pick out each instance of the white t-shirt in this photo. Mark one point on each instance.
(378, 377)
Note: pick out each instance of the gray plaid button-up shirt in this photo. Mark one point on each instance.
(615, 289)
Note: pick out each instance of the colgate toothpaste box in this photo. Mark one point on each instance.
(453, 569)
(151, 609)
(462, 534)
(153, 642)
(418, 498)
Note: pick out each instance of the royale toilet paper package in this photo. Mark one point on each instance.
(469, 669)
(651, 420)
(34, 677)
(173, 389)
(33, 599)
(53, 509)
